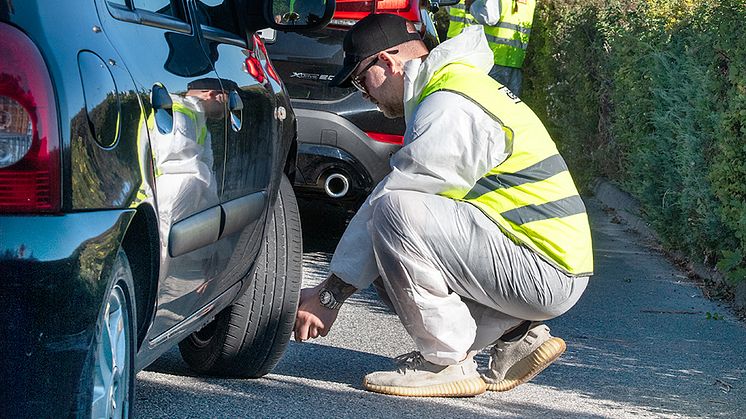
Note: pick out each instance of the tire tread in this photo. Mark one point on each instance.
(252, 335)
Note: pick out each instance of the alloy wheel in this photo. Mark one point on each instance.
(111, 374)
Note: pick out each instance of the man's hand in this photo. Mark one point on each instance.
(313, 319)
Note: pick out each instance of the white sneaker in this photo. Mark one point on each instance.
(514, 363)
(420, 378)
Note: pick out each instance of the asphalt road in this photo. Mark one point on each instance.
(640, 344)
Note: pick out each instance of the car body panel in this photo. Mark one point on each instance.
(330, 143)
(188, 189)
(54, 273)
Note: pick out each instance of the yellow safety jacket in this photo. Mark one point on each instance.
(508, 39)
(531, 195)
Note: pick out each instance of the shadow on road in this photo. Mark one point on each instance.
(322, 225)
(338, 365)
(639, 344)
(306, 383)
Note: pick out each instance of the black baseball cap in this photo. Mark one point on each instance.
(211, 83)
(371, 35)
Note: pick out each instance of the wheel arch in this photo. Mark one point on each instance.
(142, 244)
(290, 160)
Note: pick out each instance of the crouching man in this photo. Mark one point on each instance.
(478, 234)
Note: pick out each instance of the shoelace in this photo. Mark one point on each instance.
(409, 361)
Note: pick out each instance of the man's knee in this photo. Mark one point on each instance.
(395, 209)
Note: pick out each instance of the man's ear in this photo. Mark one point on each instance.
(393, 64)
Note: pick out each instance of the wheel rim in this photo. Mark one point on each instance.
(203, 337)
(111, 375)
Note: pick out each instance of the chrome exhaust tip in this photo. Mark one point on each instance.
(336, 185)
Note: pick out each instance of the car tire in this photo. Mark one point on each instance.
(248, 339)
(107, 384)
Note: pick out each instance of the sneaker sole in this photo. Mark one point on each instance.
(528, 367)
(464, 388)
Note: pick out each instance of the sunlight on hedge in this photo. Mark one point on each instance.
(652, 95)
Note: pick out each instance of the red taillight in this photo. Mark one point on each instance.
(404, 8)
(267, 63)
(29, 138)
(353, 10)
(392, 4)
(386, 138)
(350, 11)
(254, 67)
(408, 9)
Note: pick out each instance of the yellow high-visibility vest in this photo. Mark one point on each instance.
(531, 195)
(508, 40)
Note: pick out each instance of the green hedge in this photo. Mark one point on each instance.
(652, 95)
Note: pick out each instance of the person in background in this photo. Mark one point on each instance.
(507, 25)
(478, 233)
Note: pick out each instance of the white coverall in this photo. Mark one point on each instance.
(456, 281)
(185, 180)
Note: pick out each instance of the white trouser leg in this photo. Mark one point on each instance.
(456, 281)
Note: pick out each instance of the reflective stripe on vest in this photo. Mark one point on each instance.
(192, 115)
(531, 195)
(508, 39)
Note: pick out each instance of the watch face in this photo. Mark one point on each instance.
(325, 297)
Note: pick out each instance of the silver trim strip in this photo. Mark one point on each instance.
(195, 232)
(242, 212)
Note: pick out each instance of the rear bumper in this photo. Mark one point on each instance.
(53, 274)
(330, 144)
(318, 167)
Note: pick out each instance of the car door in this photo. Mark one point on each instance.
(254, 145)
(251, 149)
(186, 120)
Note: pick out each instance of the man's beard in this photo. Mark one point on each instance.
(390, 98)
(392, 112)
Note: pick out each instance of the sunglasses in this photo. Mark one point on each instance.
(359, 81)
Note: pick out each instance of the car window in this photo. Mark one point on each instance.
(217, 14)
(171, 8)
(122, 3)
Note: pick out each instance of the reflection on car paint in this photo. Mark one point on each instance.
(184, 156)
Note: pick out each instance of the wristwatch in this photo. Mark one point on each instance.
(326, 298)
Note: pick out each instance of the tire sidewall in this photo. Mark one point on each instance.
(250, 351)
(120, 274)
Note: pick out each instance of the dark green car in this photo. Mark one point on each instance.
(145, 195)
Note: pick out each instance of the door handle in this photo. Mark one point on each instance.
(234, 101)
(235, 110)
(162, 108)
(159, 97)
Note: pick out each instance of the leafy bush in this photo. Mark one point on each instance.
(652, 95)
